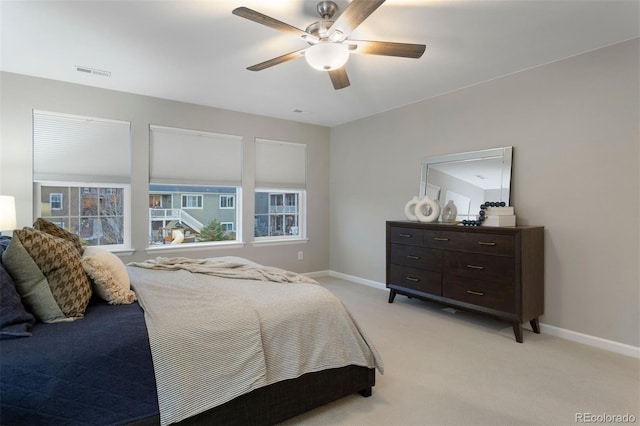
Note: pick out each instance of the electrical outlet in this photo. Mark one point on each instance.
(300, 255)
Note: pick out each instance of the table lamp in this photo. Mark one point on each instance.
(7, 213)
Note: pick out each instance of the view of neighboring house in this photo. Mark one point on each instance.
(189, 209)
(96, 213)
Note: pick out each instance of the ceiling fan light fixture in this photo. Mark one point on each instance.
(327, 56)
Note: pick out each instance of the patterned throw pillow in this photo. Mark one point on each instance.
(48, 274)
(52, 229)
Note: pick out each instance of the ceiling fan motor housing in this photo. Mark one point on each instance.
(327, 9)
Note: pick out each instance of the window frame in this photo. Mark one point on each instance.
(61, 201)
(226, 197)
(199, 197)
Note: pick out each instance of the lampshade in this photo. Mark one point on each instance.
(7, 213)
(327, 56)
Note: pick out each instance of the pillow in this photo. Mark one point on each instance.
(15, 321)
(48, 274)
(105, 284)
(52, 229)
(109, 275)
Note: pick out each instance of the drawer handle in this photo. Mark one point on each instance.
(413, 257)
(440, 239)
(405, 235)
(415, 280)
(485, 243)
(475, 267)
(475, 293)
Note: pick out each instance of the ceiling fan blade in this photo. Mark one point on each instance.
(388, 48)
(353, 15)
(276, 61)
(252, 15)
(339, 78)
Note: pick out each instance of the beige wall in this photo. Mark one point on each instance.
(21, 94)
(574, 128)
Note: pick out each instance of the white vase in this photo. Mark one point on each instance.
(449, 212)
(409, 208)
(427, 210)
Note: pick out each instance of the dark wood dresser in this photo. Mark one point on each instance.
(489, 270)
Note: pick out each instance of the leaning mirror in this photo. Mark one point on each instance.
(468, 179)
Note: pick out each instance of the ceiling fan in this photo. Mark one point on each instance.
(330, 46)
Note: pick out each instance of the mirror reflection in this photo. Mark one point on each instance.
(466, 180)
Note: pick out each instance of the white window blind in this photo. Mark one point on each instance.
(280, 164)
(80, 149)
(188, 157)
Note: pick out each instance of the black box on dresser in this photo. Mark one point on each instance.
(497, 271)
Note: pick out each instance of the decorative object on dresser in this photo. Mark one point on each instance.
(427, 210)
(497, 214)
(449, 212)
(494, 271)
(409, 208)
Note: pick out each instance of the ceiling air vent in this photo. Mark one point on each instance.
(93, 71)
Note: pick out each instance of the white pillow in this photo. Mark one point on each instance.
(109, 275)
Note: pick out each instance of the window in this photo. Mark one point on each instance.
(280, 194)
(81, 172)
(191, 201)
(196, 195)
(277, 214)
(227, 201)
(55, 200)
(95, 213)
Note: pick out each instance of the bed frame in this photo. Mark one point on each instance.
(280, 401)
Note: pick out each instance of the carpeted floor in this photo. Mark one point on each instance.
(445, 367)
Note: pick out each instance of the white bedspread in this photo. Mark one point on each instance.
(213, 339)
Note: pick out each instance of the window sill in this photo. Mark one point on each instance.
(194, 246)
(122, 251)
(279, 241)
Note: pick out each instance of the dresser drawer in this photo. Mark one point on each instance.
(497, 244)
(489, 294)
(479, 266)
(439, 239)
(406, 236)
(416, 279)
(416, 257)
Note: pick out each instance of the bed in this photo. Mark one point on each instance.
(178, 355)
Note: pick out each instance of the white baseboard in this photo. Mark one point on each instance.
(587, 339)
(358, 280)
(574, 336)
(317, 274)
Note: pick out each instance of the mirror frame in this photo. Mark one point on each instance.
(506, 153)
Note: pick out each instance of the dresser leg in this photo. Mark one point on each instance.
(535, 325)
(392, 295)
(517, 331)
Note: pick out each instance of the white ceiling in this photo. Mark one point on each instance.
(197, 51)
